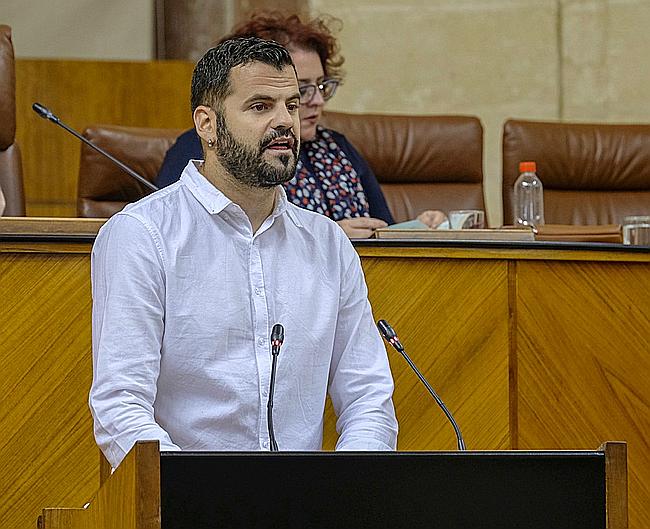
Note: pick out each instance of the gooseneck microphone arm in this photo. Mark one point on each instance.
(277, 339)
(391, 337)
(46, 113)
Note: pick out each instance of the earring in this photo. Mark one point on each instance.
(211, 143)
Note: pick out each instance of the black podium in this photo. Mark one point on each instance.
(448, 490)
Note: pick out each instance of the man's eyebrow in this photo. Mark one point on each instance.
(268, 98)
(259, 97)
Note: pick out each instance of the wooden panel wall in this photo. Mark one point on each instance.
(529, 350)
(583, 345)
(47, 453)
(455, 329)
(82, 93)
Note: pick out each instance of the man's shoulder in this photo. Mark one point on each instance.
(311, 219)
(149, 212)
(156, 204)
(320, 232)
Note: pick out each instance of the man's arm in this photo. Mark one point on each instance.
(361, 384)
(128, 284)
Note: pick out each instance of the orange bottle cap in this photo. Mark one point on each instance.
(527, 167)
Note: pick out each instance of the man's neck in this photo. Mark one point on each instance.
(257, 202)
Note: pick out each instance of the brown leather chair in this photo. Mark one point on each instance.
(421, 162)
(104, 188)
(591, 173)
(11, 177)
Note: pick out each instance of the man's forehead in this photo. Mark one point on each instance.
(255, 75)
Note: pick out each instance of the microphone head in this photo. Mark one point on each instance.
(389, 334)
(277, 334)
(44, 112)
(386, 330)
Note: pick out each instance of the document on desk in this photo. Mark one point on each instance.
(409, 230)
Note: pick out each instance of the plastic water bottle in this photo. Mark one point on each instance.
(529, 196)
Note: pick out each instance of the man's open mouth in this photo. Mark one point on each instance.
(281, 144)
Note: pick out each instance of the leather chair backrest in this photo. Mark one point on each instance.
(421, 162)
(104, 188)
(7, 89)
(591, 173)
(11, 179)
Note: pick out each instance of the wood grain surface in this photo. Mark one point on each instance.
(47, 453)
(616, 473)
(82, 93)
(49, 226)
(131, 499)
(583, 342)
(455, 329)
(529, 350)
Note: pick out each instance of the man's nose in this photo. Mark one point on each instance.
(283, 119)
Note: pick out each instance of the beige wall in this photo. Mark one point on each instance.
(606, 71)
(81, 29)
(537, 59)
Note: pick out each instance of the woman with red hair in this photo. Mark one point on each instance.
(332, 178)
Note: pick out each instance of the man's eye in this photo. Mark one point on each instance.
(258, 107)
(293, 107)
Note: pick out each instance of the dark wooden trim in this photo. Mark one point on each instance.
(184, 30)
(616, 484)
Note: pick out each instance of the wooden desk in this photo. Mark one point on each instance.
(504, 489)
(536, 345)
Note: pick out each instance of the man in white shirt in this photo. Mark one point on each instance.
(189, 281)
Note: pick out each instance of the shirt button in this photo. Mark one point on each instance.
(258, 291)
(260, 341)
(265, 444)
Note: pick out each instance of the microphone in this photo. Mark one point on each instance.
(391, 337)
(46, 113)
(277, 339)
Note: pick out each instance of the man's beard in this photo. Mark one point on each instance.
(247, 165)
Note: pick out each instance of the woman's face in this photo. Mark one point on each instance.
(310, 71)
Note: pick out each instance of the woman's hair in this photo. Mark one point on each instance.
(291, 31)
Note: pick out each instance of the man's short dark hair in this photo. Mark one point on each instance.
(211, 77)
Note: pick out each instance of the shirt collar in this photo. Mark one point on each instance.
(214, 201)
(283, 206)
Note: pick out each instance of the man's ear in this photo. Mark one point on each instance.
(205, 123)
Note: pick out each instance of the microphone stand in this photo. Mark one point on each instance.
(269, 406)
(391, 337)
(277, 339)
(46, 113)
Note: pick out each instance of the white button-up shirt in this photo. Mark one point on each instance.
(184, 299)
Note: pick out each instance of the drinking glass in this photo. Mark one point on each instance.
(464, 219)
(636, 230)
